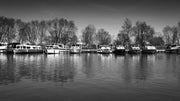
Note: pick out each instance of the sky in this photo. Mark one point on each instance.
(107, 14)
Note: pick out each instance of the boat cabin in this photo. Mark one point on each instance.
(28, 47)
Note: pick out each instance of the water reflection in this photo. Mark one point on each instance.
(56, 68)
(144, 67)
(90, 77)
(63, 68)
(7, 70)
(172, 68)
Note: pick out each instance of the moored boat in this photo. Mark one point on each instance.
(149, 49)
(173, 49)
(27, 49)
(119, 50)
(11, 47)
(55, 49)
(104, 49)
(3, 47)
(134, 50)
(76, 49)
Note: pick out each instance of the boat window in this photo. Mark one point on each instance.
(28, 47)
(173, 46)
(18, 47)
(24, 46)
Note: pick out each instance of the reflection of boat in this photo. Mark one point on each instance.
(173, 49)
(26, 49)
(75, 49)
(3, 47)
(134, 50)
(104, 49)
(55, 49)
(119, 50)
(149, 49)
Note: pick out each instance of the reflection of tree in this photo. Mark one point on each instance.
(142, 68)
(36, 68)
(172, 66)
(126, 70)
(64, 70)
(64, 73)
(88, 65)
(7, 71)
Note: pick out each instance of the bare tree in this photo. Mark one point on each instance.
(143, 33)
(88, 34)
(62, 30)
(69, 35)
(43, 27)
(103, 37)
(123, 36)
(30, 32)
(7, 32)
(168, 34)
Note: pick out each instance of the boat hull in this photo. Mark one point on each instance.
(104, 51)
(173, 51)
(55, 51)
(2, 50)
(27, 51)
(75, 51)
(134, 51)
(119, 51)
(149, 51)
(10, 51)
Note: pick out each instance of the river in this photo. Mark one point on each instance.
(90, 77)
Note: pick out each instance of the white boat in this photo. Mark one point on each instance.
(3, 47)
(76, 49)
(27, 49)
(104, 49)
(55, 49)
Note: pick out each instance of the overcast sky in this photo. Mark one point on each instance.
(107, 14)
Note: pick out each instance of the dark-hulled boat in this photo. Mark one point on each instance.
(119, 50)
(11, 47)
(173, 49)
(149, 49)
(134, 50)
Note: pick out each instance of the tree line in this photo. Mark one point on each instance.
(38, 32)
(65, 32)
(139, 34)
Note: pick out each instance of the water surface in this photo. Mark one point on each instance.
(90, 77)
